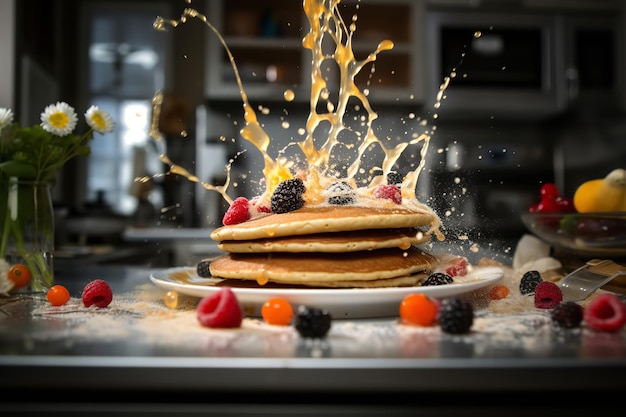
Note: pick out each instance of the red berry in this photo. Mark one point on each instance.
(97, 292)
(220, 309)
(566, 204)
(547, 295)
(389, 192)
(605, 313)
(549, 191)
(552, 201)
(458, 268)
(238, 212)
(548, 206)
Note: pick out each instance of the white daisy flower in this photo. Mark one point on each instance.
(59, 119)
(99, 120)
(6, 117)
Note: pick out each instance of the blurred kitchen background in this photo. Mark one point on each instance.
(538, 97)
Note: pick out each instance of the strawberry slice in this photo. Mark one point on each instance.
(605, 313)
(220, 309)
(457, 267)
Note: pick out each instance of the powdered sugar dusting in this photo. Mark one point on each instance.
(140, 323)
(142, 317)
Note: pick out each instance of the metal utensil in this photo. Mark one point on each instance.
(584, 281)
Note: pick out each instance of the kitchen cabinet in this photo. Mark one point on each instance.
(591, 49)
(265, 39)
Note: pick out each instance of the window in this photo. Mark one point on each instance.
(126, 68)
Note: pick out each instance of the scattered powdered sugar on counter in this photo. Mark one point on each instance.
(526, 333)
(141, 317)
(145, 325)
(490, 336)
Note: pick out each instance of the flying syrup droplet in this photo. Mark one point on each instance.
(289, 95)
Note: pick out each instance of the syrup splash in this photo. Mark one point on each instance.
(327, 162)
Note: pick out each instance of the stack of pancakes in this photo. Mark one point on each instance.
(328, 246)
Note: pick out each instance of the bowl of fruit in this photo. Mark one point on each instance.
(592, 223)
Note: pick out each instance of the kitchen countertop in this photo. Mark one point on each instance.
(139, 345)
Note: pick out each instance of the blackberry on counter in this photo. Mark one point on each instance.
(202, 269)
(438, 278)
(288, 196)
(568, 314)
(341, 193)
(529, 282)
(456, 315)
(312, 322)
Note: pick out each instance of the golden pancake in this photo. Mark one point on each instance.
(324, 219)
(350, 241)
(322, 267)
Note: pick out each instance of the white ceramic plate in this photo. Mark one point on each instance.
(341, 303)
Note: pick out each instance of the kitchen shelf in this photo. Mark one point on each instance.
(265, 39)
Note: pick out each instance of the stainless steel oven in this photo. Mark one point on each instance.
(503, 63)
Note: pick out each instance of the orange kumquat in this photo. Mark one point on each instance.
(58, 295)
(277, 311)
(418, 309)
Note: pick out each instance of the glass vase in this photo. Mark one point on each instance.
(27, 224)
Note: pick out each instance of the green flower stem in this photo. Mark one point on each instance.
(41, 279)
(5, 235)
(37, 264)
(47, 165)
(42, 276)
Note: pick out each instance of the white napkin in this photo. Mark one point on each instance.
(532, 253)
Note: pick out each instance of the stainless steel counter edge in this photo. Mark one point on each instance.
(311, 374)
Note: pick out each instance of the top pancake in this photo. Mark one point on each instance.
(346, 241)
(323, 219)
